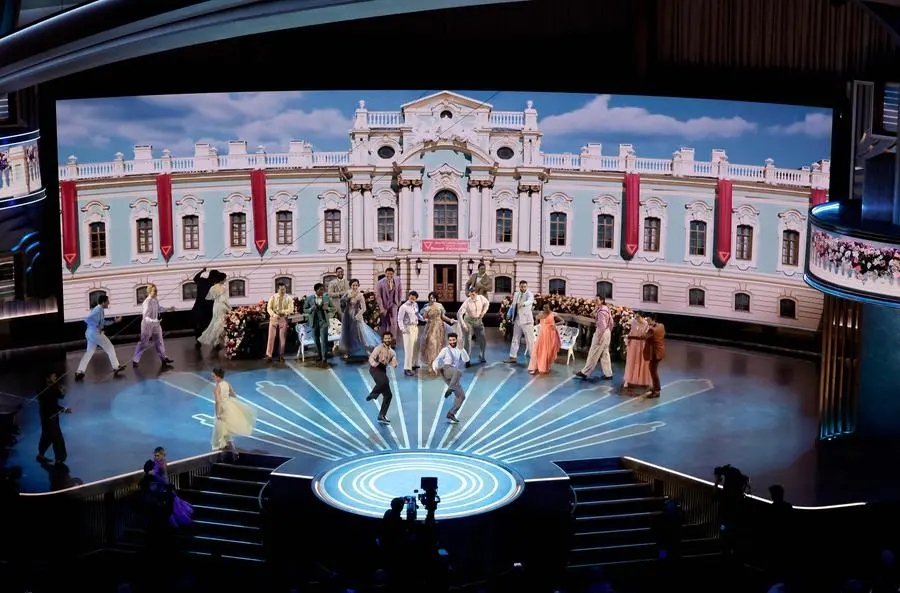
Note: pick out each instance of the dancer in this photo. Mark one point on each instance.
(96, 321)
(233, 417)
(449, 364)
(436, 323)
(382, 357)
(151, 330)
(279, 308)
(182, 512)
(357, 338)
(214, 334)
(337, 288)
(599, 344)
(389, 293)
(521, 315)
(637, 369)
(203, 308)
(319, 310)
(408, 318)
(654, 353)
(49, 411)
(471, 320)
(480, 281)
(547, 345)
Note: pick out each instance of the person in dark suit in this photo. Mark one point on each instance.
(202, 310)
(49, 410)
(655, 352)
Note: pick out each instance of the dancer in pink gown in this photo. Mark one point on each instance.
(547, 344)
(637, 369)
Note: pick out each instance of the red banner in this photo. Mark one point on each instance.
(260, 217)
(817, 196)
(632, 215)
(164, 207)
(723, 221)
(68, 197)
(445, 245)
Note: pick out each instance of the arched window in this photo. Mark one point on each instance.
(188, 291)
(237, 288)
(558, 286)
(605, 289)
(503, 285)
(787, 308)
(446, 215)
(140, 294)
(288, 283)
(98, 239)
(697, 297)
(332, 226)
(650, 293)
(504, 232)
(94, 296)
(742, 302)
(558, 222)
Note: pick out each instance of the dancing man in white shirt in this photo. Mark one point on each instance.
(280, 307)
(600, 344)
(449, 363)
(382, 357)
(151, 329)
(471, 319)
(408, 318)
(522, 317)
(96, 321)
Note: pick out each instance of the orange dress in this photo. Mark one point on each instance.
(546, 347)
(637, 368)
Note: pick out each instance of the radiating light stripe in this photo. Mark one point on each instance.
(370, 384)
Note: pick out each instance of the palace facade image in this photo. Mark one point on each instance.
(432, 190)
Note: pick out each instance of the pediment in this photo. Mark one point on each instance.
(445, 170)
(445, 97)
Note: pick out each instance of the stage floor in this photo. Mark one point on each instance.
(719, 405)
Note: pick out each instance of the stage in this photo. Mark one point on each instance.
(718, 405)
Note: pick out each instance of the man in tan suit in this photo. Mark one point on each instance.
(480, 281)
(655, 352)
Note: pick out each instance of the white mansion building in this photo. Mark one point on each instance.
(432, 190)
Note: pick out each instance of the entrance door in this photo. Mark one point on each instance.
(445, 282)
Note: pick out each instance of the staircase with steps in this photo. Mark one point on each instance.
(616, 516)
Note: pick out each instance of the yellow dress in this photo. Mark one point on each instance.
(238, 419)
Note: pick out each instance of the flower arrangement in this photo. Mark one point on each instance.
(244, 323)
(858, 259)
(579, 307)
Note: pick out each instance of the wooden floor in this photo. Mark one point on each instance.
(719, 405)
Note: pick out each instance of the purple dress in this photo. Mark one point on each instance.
(182, 512)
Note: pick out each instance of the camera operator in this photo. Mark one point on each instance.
(732, 485)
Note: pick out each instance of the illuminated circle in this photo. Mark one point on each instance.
(467, 485)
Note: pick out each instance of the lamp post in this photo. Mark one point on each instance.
(418, 266)
(471, 263)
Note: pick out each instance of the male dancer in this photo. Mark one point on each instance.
(202, 310)
(337, 288)
(408, 318)
(279, 308)
(449, 364)
(655, 352)
(49, 409)
(319, 310)
(382, 357)
(599, 344)
(471, 316)
(389, 294)
(480, 281)
(151, 330)
(522, 317)
(96, 321)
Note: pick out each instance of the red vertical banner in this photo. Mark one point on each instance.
(632, 215)
(817, 196)
(164, 207)
(724, 201)
(260, 217)
(68, 197)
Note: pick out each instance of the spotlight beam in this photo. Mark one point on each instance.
(369, 384)
(440, 398)
(279, 441)
(509, 373)
(616, 434)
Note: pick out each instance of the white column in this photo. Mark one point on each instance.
(405, 216)
(524, 238)
(487, 233)
(370, 219)
(474, 217)
(537, 221)
(418, 206)
(358, 217)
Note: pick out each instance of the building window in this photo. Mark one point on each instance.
(94, 297)
(145, 235)
(605, 231)
(605, 289)
(651, 234)
(742, 302)
(787, 308)
(697, 297)
(238, 229)
(650, 293)
(505, 153)
(790, 248)
(744, 248)
(385, 224)
(503, 285)
(190, 231)
(237, 288)
(446, 215)
(386, 152)
(558, 286)
(504, 225)
(188, 291)
(558, 229)
(98, 239)
(698, 238)
(288, 283)
(140, 294)
(332, 226)
(284, 227)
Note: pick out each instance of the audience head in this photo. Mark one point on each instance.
(776, 491)
(397, 504)
(159, 453)
(148, 466)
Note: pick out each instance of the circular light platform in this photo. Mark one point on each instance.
(467, 485)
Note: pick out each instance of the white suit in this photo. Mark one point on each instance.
(522, 315)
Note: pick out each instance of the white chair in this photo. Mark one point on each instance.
(305, 336)
(568, 336)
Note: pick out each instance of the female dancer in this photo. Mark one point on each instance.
(436, 322)
(547, 345)
(233, 417)
(357, 338)
(637, 370)
(182, 512)
(214, 335)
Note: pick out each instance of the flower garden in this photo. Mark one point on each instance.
(856, 259)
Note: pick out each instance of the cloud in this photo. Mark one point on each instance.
(177, 122)
(598, 117)
(817, 125)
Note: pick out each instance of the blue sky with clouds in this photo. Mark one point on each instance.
(95, 129)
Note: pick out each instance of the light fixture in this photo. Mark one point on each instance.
(471, 266)
(418, 266)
